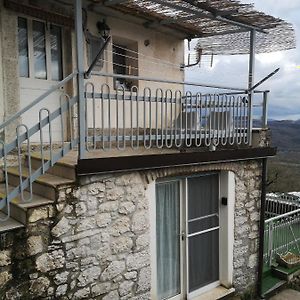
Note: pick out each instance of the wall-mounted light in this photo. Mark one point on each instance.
(103, 29)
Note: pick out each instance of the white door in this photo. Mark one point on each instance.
(169, 268)
(202, 234)
(187, 237)
(40, 68)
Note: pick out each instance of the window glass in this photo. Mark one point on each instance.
(168, 239)
(56, 52)
(23, 48)
(39, 49)
(95, 44)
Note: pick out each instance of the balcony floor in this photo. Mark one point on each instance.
(100, 161)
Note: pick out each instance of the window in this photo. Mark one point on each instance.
(125, 62)
(95, 44)
(23, 47)
(40, 50)
(56, 52)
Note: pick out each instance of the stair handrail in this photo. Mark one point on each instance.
(39, 99)
(16, 142)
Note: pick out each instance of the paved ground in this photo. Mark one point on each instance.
(287, 295)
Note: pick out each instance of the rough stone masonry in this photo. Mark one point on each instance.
(94, 242)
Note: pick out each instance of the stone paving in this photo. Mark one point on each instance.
(287, 295)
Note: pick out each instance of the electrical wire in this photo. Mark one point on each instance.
(144, 55)
(178, 67)
(170, 65)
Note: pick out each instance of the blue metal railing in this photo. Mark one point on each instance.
(21, 145)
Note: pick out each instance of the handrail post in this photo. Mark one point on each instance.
(80, 77)
(251, 81)
(265, 110)
(270, 242)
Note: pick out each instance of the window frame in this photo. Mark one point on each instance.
(126, 46)
(31, 68)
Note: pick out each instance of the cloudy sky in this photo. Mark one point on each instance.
(284, 86)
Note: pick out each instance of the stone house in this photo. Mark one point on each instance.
(118, 182)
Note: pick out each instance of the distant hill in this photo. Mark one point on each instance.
(285, 134)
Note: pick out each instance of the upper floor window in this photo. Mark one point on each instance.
(23, 47)
(40, 50)
(125, 62)
(94, 45)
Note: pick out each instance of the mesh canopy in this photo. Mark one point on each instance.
(222, 26)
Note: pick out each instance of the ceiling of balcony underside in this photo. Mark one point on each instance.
(222, 26)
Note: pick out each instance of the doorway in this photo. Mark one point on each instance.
(40, 68)
(187, 236)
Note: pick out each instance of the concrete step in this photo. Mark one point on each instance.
(63, 168)
(46, 185)
(9, 224)
(284, 273)
(18, 208)
(274, 289)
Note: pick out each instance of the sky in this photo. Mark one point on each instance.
(284, 99)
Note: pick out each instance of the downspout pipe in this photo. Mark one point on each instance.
(262, 227)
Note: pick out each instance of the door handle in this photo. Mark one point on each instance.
(182, 235)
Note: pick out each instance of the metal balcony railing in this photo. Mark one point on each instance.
(157, 118)
(116, 118)
(282, 230)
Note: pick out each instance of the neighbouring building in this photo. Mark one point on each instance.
(117, 181)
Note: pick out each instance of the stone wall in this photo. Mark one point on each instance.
(9, 77)
(94, 242)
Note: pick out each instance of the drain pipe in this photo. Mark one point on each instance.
(262, 227)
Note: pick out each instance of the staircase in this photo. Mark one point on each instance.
(32, 180)
(45, 190)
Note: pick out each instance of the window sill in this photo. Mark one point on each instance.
(217, 293)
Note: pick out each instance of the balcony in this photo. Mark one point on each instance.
(119, 130)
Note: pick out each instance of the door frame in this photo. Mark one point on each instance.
(193, 294)
(226, 234)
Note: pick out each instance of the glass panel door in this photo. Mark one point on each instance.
(23, 47)
(56, 52)
(39, 49)
(202, 231)
(168, 239)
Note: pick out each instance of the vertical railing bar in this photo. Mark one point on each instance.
(232, 131)
(224, 119)
(5, 182)
(178, 108)
(20, 169)
(162, 120)
(159, 95)
(131, 118)
(102, 116)
(41, 141)
(198, 120)
(117, 118)
(137, 119)
(124, 117)
(168, 132)
(109, 119)
(147, 91)
(265, 110)
(62, 121)
(217, 112)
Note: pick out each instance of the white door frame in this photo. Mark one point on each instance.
(38, 86)
(226, 235)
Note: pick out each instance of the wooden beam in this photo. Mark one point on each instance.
(156, 161)
(114, 2)
(217, 15)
